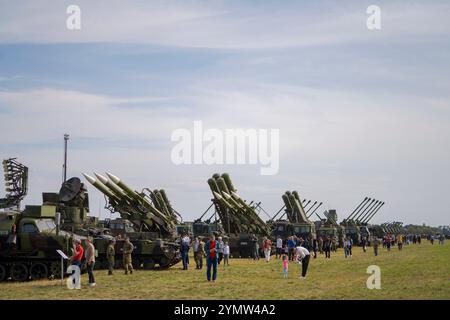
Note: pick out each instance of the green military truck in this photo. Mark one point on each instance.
(28, 244)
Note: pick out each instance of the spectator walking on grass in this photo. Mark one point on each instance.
(211, 249)
(267, 245)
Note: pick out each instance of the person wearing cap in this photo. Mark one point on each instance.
(78, 252)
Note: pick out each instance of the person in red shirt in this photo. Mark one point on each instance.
(211, 250)
(78, 252)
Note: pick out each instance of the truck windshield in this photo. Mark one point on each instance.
(46, 225)
(299, 229)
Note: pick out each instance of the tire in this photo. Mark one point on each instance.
(55, 269)
(19, 272)
(3, 273)
(149, 264)
(38, 271)
(164, 262)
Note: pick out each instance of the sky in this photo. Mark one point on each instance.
(360, 112)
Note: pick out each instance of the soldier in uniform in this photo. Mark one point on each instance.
(111, 253)
(376, 243)
(127, 250)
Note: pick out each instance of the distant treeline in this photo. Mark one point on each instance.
(424, 229)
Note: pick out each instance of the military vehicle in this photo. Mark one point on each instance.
(239, 219)
(148, 213)
(205, 227)
(356, 223)
(28, 239)
(329, 227)
(297, 222)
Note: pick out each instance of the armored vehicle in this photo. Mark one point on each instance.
(147, 218)
(28, 239)
(297, 222)
(239, 219)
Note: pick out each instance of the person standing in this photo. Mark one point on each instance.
(111, 256)
(255, 249)
(302, 256)
(364, 243)
(351, 246)
(346, 247)
(376, 243)
(388, 242)
(78, 253)
(196, 251)
(211, 249)
(220, 250)
(285, 266)
(226, 254)
(90, 261)
(314, 245)
(327, 248)
(291, 248)
(320, 245)
(400, 241)
(267, 245)
(184, 251)
(127, 250)
(279, 248)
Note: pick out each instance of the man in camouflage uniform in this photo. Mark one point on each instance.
(376, 243)
(111, 253)
(127, 250)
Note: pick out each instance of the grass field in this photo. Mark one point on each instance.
(417, 272)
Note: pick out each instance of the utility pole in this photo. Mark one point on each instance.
(66, 138)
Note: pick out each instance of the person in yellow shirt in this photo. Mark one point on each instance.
(400, 241)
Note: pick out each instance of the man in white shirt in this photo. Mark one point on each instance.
(279, 250)
(302, 255)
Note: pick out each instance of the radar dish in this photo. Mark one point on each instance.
(70, 189)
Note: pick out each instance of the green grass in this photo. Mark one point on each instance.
(417, 272)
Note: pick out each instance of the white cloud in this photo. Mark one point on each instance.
(219, 24)
(336, 146)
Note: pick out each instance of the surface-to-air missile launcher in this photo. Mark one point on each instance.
(203, 228)
(297, 222)
(329, 227)
(356, 224)
(28, 239)
(147, 218)
(239, 219)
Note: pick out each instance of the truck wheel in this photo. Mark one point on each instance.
(19, 272)
(164, 262)
(38, 271)
(2, 272)
(55, 269)
(149, 264)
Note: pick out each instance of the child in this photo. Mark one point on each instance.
(346, 247)
(285, 266)
(226, 254)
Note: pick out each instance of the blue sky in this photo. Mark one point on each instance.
(360, 112)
